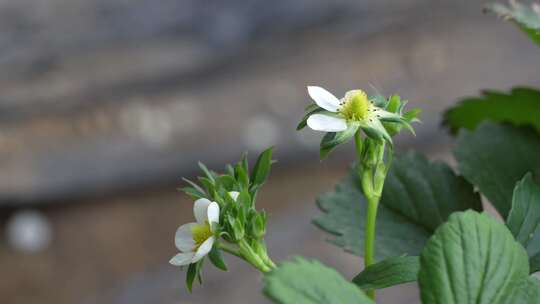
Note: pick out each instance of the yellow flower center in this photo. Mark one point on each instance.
(200, 233)
(354, 106)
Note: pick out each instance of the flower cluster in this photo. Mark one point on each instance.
(226, 219)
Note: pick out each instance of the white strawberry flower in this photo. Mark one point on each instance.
(351, 112)
(195, 240)
(234, 195)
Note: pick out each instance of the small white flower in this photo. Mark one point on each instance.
(234, 195)
(195, 240)
(353, 110)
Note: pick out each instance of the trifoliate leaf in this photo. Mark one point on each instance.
(526, 17)
(418, 196)
(309, 282)
(389, 272)
(473, 259)
(520, 107)
(494, 157)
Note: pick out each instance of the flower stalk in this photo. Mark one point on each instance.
(251, 256)
(372, 171)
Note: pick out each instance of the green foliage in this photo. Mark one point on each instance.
(418, 197)
(524, 216)
(527, 18)
(521, 107)
(234, 191)
(216, 258)
(309, 282)
(396, 105)
(262, 168)
(534, 263)
(473, 259)
(332, 139)
(494, 157)
(194, 271)
(310, 110)
(388, 272)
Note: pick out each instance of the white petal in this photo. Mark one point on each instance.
(183, 238)
(200, 210)
(321, 122)
(213, 214)
(182, 259)
(323, 98)
(203, 250)
(234, 195)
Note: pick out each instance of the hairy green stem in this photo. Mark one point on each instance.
(372, 170)
(369, 237)
(230, 250)
(358, 144)
(252, 257)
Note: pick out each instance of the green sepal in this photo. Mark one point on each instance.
(258, 225)
(194, 185)
(333, 139)
(226, 181)
(192, 273)
(209, 174)
(374, 129)
(378, 100)
(244, 199)
(208, 185)
(241, 176)
(193, 193)
(310, 110)
(216, 258)
(262, 167)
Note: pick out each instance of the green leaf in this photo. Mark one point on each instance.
(524, 216)
(534, 263)
(528, 293)
(309, 282)
(332, 139)
(262, 167)
(526, 17)
(472, 259)
(418, 196)
(216, 258)
(520, 107)
(494, 157)
(388, 272)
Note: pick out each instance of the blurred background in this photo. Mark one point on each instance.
(105, 105)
